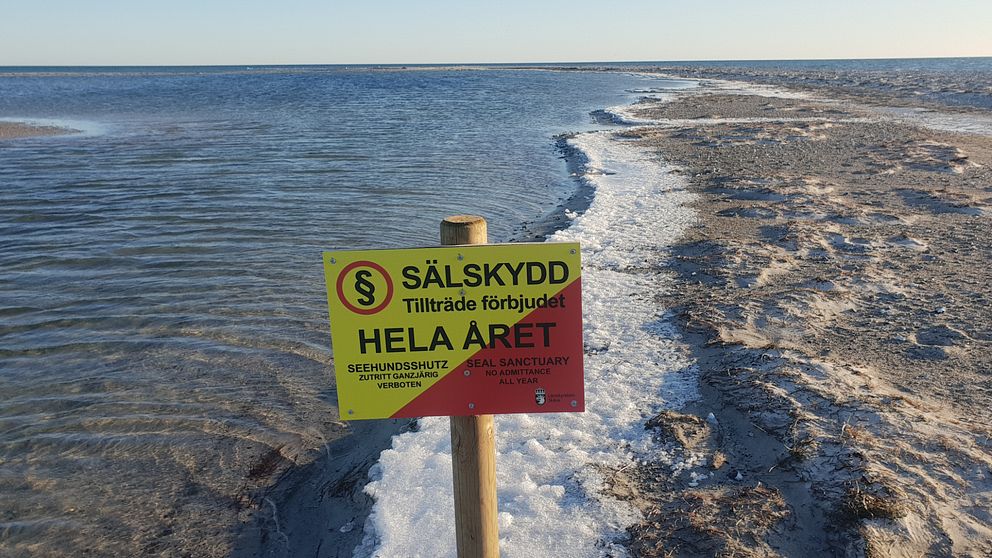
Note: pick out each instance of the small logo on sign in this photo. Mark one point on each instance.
(540, 396)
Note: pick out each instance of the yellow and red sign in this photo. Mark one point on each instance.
(456, 330)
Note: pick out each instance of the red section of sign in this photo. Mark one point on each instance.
(364, 311)
(516, 388)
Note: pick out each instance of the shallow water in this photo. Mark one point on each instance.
(164, 346)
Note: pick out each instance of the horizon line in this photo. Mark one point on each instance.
(462, 64)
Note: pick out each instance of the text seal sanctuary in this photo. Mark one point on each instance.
(457, 330)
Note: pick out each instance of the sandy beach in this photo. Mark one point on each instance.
(14, 130)
(835, 290)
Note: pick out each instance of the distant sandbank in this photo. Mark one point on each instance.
(14, 130)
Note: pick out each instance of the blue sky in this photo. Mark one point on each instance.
(113, 32)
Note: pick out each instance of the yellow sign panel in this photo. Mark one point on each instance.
(456, 330)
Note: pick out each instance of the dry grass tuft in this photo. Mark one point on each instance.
(803, 445)
(874, 499)
(719, 460)
(715, 522)
(689, 431)
(855, 434)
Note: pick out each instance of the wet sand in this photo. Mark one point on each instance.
(15, 130)
(836, 292)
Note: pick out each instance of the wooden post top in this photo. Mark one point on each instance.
(464, 229)
(463, 219)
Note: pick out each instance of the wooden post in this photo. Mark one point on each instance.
(473, 442)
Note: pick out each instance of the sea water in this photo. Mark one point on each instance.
(164, 344)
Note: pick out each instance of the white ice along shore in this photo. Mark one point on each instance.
(551, 467)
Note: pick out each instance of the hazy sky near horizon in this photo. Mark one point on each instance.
(139, 32)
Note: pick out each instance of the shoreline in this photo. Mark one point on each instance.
(324, 505)
(557, 471)
(559, 217)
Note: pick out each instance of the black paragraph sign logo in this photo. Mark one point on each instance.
(365, 287)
